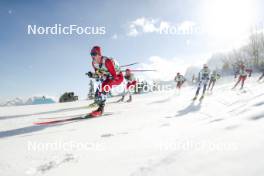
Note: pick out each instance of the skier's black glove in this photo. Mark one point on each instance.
(89, 74)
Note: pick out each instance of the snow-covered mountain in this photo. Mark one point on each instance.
(39, 100)
(30, 101)
(159, 133)
(14, 102)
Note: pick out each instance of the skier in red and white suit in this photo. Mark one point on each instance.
(107, 70)
(131, 84)
(243, 74)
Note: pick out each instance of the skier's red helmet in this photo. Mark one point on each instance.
(96, 50)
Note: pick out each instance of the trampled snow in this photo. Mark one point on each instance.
(159, 133)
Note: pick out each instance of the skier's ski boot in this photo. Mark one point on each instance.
(98, 112)
(130, 99)
(201, 98)
(194, 98)
(100, 101)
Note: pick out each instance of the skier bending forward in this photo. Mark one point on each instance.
(131, 83)
(179, 79)
(109, 73)
(203, 79)
(243, 73)
(214, 76)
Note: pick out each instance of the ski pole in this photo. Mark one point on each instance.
(129, 64)
(139, 70)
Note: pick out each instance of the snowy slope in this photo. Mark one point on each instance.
(160, 133)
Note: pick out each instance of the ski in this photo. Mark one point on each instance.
(83, 117)
(61, 117)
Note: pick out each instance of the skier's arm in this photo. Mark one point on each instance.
(95, 69)
(199, 76)
(249, 72)
(91, 75)
(111, 68)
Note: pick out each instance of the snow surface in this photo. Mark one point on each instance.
(159, 133)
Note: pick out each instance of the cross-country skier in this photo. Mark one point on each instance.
(131, 83)
(203, 79)
(213, 77)
(243, 72)
(179, 79)
(108, 72)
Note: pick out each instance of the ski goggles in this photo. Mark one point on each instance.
(93, 54)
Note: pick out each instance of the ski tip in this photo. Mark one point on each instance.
(88, 116)
(41, 123)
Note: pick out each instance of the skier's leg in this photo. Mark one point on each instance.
(210, 82)
(101, 104)
(122, 98)
(178, 85)
(102, 94)
(242, 82)
(125, 92)
(99, 96)
(213, 85)
(131, 85)
(238, 81)
(181, 83)
(204, 88)
(130, 97)
(198, 89)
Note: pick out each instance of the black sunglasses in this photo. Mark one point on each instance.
(93, 54)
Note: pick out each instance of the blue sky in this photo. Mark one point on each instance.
(52, 64)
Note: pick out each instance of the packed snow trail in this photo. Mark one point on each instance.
(159, 133)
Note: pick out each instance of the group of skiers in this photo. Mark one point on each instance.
(204, 77)
(109, 73)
